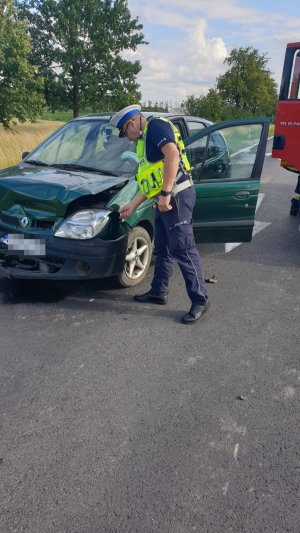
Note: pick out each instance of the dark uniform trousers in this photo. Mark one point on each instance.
(174, 239)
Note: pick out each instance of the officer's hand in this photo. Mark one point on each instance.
(126, 211)
(164, 203)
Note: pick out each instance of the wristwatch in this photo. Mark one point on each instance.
(165, 193)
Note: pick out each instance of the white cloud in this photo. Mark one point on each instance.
(190, 63)
(172, 73)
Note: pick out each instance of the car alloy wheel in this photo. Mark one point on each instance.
(138, 257)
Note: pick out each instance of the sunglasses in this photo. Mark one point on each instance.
(126, 128)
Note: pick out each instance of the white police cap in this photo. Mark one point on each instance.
(126, 113)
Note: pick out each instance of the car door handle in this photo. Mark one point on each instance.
(241, 194)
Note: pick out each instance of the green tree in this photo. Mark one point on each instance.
(160, 107)
(247, 87)
(209, 106)
(79, 45)
(21, 90)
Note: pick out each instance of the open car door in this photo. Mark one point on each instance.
(227, 160)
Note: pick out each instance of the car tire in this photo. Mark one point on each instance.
(138, 258)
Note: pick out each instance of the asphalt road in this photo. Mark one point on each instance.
(117, 418)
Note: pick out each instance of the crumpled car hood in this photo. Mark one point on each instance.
(51, 189)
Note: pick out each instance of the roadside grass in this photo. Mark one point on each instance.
(23, 138)
(64, 115)
(61, 116)
(271, 130)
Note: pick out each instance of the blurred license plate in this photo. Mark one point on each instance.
(18, 243)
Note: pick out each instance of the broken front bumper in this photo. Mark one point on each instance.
(66, 259)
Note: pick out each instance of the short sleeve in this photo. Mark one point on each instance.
(159, 133)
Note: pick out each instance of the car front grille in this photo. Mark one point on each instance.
(42, 224)
(34, 224)
(48, 264)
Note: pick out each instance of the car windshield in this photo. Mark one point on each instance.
(87, 144)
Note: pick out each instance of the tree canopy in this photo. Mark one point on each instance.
(246, 89)
(21, 90)
(160, 107)
(79, 46)
(209, 106)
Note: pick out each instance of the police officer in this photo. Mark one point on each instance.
(163, 173)
(295, 201)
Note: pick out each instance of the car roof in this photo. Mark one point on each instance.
(148, 114)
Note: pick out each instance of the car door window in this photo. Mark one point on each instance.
(294, 91)
(196, 153)
(228, 154)
(194, 126)
(228, 159)
(179, 125)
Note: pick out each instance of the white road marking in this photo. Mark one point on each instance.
(235, 453)
(258, 226)
(231, 245)
(249, 148)
(260, 198)
(244, 150)
(269, 153)
(225, 488)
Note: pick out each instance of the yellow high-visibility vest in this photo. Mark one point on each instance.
(150, 176)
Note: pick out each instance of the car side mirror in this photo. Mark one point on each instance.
(25, 154)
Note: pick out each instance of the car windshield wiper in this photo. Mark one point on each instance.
(74, 166)
(36, 162)
(109, 172)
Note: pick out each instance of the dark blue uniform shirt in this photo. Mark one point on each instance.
(159, 133)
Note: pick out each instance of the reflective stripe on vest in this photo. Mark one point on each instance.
(150, 175)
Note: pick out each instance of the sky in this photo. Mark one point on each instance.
(189, 40)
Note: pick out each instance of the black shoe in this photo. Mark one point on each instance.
(151, 298)
(195, 313)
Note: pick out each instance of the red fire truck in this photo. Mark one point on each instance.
(286, 144)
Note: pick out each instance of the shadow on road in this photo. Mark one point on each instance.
(94, 296)
(31, 291)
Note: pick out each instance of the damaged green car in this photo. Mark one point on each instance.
(59, 206)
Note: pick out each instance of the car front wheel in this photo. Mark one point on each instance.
(138, 257)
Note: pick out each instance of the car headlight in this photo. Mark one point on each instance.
(83, 225)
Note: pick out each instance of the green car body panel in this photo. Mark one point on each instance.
(225, 206)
